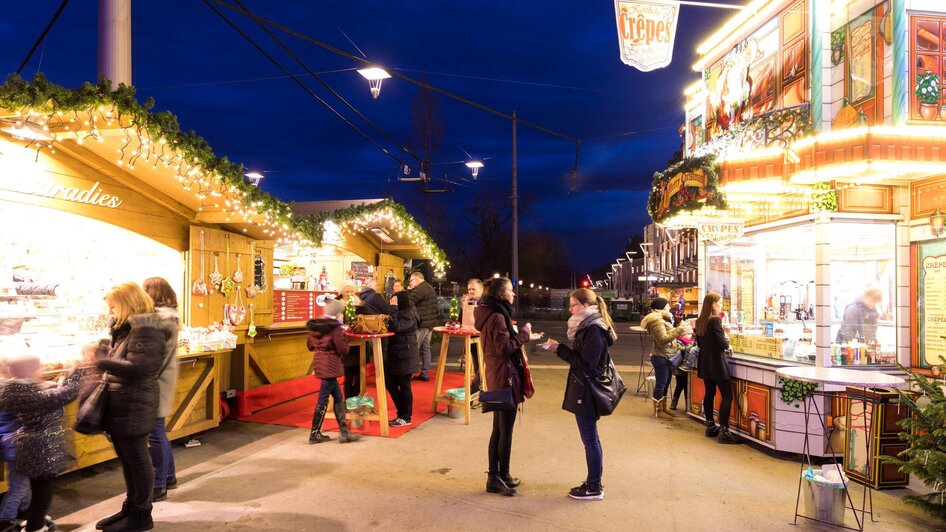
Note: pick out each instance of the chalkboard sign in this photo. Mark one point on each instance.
(360, 270)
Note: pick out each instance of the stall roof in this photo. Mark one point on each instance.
(385, 232)
(111, 133)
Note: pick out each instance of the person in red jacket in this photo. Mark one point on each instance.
(328, 345)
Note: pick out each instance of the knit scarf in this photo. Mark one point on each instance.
(585, 318)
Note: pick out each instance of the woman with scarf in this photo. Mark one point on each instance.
(591, 330)
(659, 323)
(504, 369)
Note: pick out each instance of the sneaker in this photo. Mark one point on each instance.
(586, 493)
(172, 483)
(711, 431)
(422, 378)
(399, 422)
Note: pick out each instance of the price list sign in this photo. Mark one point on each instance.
(293, 305)
(931, 304)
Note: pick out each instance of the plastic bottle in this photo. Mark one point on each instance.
(857, 350)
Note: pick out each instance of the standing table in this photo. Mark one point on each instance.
(361, 341)
(837, 379)
(470, 337)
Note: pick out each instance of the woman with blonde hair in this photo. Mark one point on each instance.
(162, 455)
(138, 348)
(713, 367)
(591, 331)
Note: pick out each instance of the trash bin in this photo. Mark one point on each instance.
(620, 309)
(824, 498)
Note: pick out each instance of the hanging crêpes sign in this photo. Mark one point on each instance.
(646, 30)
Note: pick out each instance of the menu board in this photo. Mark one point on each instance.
(750, 344)
(931, 304)
(296, 305)
(747, 293)
(360, 270)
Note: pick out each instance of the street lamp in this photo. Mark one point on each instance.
(254, 178)
(475, 167)
(374, 75)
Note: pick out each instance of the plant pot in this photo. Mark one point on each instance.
(928, 111)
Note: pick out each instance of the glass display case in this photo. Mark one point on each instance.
(767, 280)
(863, 287)
(768, 289)
(55, 271)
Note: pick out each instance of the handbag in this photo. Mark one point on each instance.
(528, 387)
(92, 409)
(493, 400)
(607, 388)
(370, 324)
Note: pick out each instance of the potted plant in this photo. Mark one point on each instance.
(928, 93)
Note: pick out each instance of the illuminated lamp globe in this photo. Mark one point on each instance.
(937, 222)
(374, 75)
(475, 167)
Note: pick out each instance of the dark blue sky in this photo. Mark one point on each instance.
(559, 60)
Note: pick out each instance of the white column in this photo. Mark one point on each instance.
(114, 50)
(823, 337)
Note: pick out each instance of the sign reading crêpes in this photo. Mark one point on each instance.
(646, 30)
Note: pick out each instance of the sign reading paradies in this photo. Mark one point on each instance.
(646, 30)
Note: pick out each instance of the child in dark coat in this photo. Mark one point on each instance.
(40, 443)
(328, 345)
(402, 358)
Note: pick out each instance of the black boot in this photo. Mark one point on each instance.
(315, 435)
(137, 520)
(114, 518)
(727, 437)
(346, 435)
(495, 484)
(509, 480)
(711, 429)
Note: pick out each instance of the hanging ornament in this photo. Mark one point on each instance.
(200, 287)
(238, 274)
(227, 286)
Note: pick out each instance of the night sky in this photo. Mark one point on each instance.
(556, 63)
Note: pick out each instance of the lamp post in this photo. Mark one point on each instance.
(374, 75)
(515, 212)
(475, 167)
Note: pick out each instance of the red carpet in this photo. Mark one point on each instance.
(298, 412)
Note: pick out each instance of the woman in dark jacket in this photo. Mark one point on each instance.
(592, 331)
(162, 455)
(714, 367)
(503, 363)
(328, 345)
(39, 444)
(402, 357)
(139, 340)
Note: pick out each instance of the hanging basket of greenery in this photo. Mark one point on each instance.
(688, 185)
(823, 198)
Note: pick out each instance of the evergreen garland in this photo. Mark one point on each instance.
(824, 198)
(42, 96)
(925, 431)
(688, 199)
(454, 309)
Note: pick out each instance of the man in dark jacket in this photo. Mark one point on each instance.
(425, 299)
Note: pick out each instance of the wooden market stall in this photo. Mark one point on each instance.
(96, 190)
(813, 172)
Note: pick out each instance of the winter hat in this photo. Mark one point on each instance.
(403, 299)
(22, 365)
(658, 303)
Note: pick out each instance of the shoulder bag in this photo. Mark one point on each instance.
(92, 409)
(607, 388)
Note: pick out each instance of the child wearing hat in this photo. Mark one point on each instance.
(40, 446)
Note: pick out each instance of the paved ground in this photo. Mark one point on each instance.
(658, 476)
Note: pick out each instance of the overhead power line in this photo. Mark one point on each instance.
(42, 36)
(301, 84)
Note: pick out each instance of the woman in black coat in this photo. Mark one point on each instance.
(592, 331)
(402, 357)
(133, 363)
(714, 367)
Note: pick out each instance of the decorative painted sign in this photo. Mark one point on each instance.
(92, 195)
(861, 68)
(646, 31)
(686, 186)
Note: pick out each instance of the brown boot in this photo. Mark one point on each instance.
(659, 408)
(663, 406)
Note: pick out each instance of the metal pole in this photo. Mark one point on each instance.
(114, 41)
(515, 214)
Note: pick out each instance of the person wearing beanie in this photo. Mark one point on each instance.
(328, 345)
(659, 324)
(40, 445)
(402, 357)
